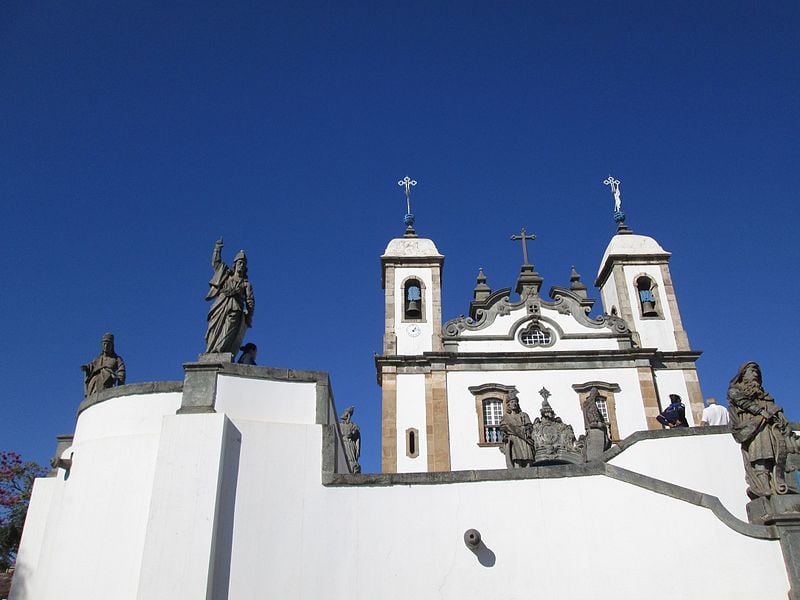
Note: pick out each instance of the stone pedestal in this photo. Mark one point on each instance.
(783, 513)
(200, 382)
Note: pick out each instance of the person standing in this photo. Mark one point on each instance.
(714, 414)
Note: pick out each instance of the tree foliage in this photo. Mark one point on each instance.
(16, 482)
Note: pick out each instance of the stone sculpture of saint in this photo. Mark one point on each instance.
(105, 371)
(516, 428)
(351, 438)
(597, 440)
(232, 311)
(550, 434)
(761, 428)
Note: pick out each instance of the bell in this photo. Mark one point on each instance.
(649, 309)
(413, 309)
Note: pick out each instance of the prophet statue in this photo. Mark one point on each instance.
(105, 371)
(351, 437)
(759, 425)
(516, 427)
(232, 311)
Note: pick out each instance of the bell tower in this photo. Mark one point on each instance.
(635, 283)
(414, 415)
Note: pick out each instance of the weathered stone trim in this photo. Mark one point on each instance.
(681, 338)
(540, 360)
(650, 399)
(437, 420)
(131, 389)
(389, 335)
(389, 420)
(626, 259)
(695, 399)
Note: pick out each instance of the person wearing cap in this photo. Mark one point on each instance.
(232, 311)
(675, 414)
(105, 371)
(248, 356)
(714, 414)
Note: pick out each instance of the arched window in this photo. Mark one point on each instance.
(412, 300)
(648, 298)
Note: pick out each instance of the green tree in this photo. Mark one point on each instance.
(16, 482)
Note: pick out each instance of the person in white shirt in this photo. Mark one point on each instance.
(714, 414)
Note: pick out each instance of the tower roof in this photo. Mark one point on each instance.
(411, 247)
(631, 245)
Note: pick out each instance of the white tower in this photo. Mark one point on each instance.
(635, 283)
(415, 432)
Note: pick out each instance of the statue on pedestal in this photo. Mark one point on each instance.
(232, 311)
(351, 438)
(597, 439)
(552, 438)
(760, 426)
(516, 428)
(105, 371)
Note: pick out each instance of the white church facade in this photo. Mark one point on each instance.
(445, 384)
(234, 483)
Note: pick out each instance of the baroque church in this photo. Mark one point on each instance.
(240, 482)
(445, 384)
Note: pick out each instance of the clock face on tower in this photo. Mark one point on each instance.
(413, 330)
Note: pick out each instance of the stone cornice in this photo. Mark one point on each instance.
(626, 259)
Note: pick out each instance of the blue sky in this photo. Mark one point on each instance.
(134, 134)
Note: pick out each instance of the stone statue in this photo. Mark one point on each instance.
(760, 426)
(105, 371)
(552, 438)
(232, 311)
(351, 438)
(516, 428)
(597, 439)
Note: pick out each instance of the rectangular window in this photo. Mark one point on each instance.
(492, 413)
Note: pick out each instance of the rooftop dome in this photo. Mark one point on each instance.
(411, 246)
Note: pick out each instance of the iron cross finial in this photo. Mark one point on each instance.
(545, 393)
(522, 236)
(408, 183)
(614, 183)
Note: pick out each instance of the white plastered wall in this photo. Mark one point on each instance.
(411, 413)
(96, 520)
(465, 453)
(706, 463)
(292, 537)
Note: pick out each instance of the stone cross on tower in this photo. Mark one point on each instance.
(524, 239)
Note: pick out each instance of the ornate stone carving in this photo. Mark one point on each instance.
(105, 371)
(232, 311)
(553, 440)
(351, 438)
(761, 428)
